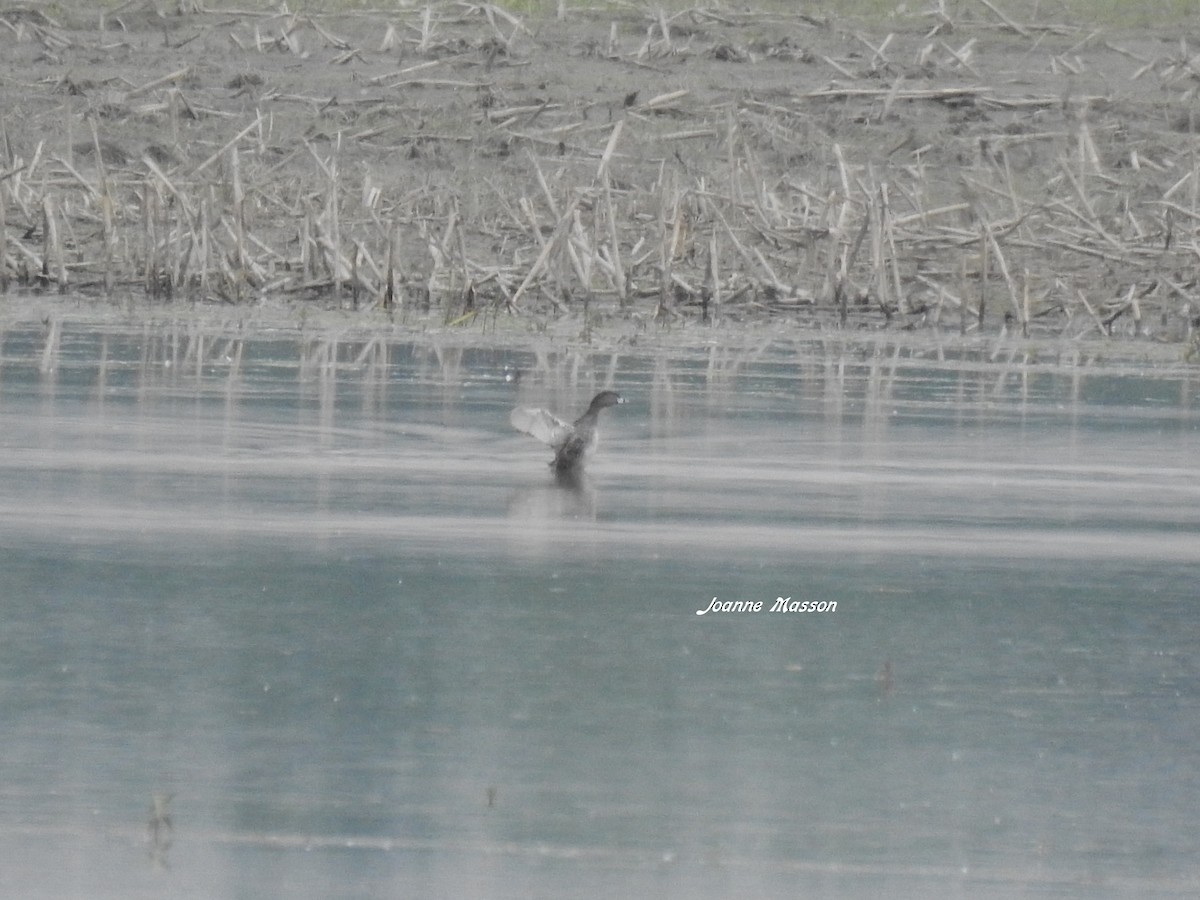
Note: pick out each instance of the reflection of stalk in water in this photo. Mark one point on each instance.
(883, 678)
(159, 831)
(52, 346)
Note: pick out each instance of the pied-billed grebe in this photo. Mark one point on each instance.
(572, 443)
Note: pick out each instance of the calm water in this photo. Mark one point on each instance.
(320, 592)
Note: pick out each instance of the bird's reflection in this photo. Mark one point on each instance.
(570, 495)
(579, 497)
(160, 832)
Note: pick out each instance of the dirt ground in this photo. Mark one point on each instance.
(719, 164)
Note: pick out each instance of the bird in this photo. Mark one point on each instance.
(572, 442)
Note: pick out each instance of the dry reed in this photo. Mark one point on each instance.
(429, 157)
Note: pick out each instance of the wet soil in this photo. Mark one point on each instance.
(617, 168)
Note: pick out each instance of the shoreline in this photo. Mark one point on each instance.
(618, 166)
(1000, 352)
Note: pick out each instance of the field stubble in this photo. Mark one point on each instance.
(977, 173)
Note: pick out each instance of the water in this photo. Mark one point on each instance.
(318, 591)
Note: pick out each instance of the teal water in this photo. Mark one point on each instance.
(319, 591)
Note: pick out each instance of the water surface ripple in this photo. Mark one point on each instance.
(319, 593)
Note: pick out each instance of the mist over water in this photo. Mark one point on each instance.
(317, 591)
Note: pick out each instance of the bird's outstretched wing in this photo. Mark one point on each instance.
(546, 427)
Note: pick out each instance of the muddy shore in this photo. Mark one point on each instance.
(619, 171)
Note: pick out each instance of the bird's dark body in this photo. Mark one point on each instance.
(577, 448)
(572, 443)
